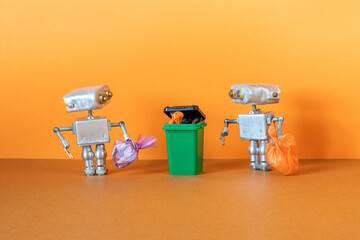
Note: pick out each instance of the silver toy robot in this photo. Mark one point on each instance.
(254, 126)
(90, 130)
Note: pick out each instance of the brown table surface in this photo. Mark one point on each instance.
(51, 199)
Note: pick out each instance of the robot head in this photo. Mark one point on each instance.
(88, 98)
(254, 94)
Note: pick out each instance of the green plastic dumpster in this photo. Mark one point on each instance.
(185, 147)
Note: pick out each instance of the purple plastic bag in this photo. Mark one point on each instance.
(125, 152)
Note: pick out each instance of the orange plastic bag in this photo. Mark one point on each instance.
(176, 117)
(281, 152)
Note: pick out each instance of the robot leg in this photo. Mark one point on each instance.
(100, 155)
(264, 165)
(254, 157)
(88, 156)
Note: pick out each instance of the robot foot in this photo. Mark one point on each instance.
(265, 167)
(89, 171)
(254, 166)
(101, 171)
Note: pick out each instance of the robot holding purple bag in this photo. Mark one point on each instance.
(94, 131)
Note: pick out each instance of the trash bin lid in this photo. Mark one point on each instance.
(190, 112)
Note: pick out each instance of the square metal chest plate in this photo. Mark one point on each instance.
(91, 131)
(253, 126)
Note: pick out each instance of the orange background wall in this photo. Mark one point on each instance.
(158, 53)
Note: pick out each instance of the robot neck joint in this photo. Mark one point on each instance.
(90, 116)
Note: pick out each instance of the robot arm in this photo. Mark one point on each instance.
(126, 135)
(64, 142)
(225, 131)
(280, 121)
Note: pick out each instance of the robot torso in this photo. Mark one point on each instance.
(254, 126)
(92, 131)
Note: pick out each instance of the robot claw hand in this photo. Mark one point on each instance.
(225, 131)
(64, 142)
(68, 153)
(223, 134)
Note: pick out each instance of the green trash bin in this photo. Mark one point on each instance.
(185, 147)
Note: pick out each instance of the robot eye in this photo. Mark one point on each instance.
(240, 94)
(109, 94)
(103, 98)
(275, 94)
(237, 94)
(71, 105)
(232, 93)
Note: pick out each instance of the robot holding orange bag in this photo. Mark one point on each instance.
(254, 125)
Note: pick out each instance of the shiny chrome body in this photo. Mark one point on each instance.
(255, 94)
(88, 98)
(90, 130)
(254, 125)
